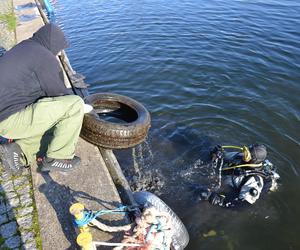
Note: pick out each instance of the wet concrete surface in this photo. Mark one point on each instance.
(90, 185)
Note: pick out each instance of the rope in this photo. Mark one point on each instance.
(101, 243)
(110, 229)
(236, 147)
(159, 227)
(89, 216)
(152, 231)
(155, 228)
(244, 165)
(246, 153)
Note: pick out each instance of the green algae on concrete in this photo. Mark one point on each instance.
(10, 20)
(8, 23)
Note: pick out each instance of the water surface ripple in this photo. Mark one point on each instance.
(209, 72)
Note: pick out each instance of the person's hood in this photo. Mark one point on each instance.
(51, 37)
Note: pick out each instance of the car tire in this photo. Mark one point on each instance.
(134, 117)
(180, 237)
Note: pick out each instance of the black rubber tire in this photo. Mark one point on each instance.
(111, 135)
(180, 237)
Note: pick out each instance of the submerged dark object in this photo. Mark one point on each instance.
(108, 134)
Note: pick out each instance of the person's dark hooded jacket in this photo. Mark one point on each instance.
(30, 71)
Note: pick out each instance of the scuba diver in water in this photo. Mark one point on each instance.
(248, 174)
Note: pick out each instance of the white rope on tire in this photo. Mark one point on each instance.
(110, 229)
(102, 243)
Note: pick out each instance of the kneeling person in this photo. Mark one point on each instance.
(34, 100)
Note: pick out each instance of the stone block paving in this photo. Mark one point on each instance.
(18, 226)
(18, 229)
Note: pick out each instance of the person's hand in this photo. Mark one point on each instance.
(87, 108)
(216, 199)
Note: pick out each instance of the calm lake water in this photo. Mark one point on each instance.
(209, 72)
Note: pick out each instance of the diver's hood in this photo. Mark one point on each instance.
(51, 37)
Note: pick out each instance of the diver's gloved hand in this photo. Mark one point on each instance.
(217, 152)
(216, 199)
(216, 149)
(204, 195)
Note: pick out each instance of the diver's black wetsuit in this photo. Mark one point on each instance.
(247, 183)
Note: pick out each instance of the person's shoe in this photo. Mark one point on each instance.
(11, 157)
(50, 164)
